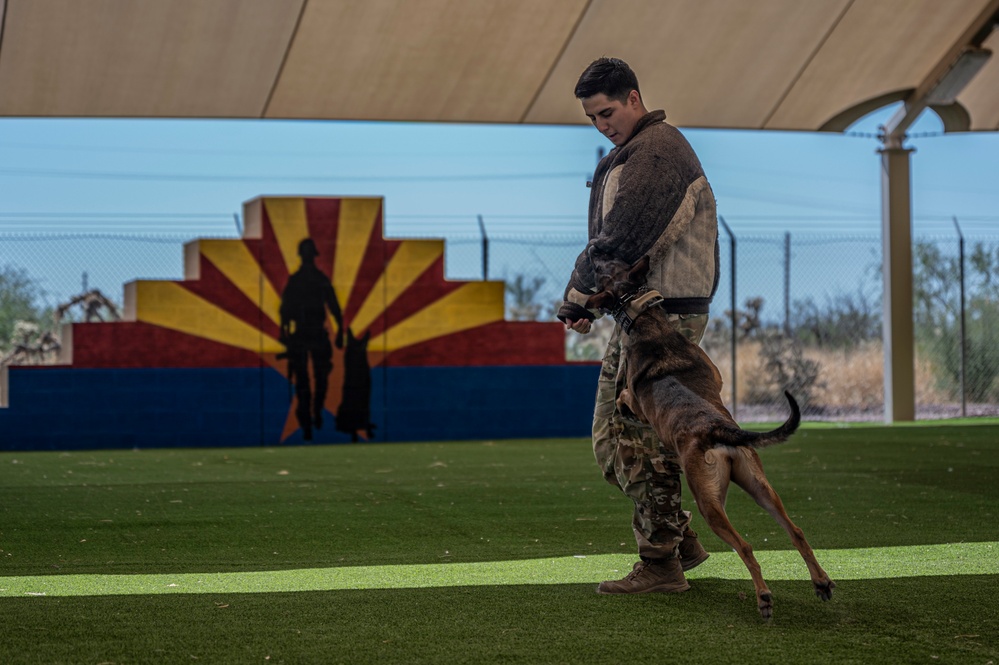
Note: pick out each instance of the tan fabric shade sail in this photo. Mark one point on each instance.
(745, 64)
(806, 65)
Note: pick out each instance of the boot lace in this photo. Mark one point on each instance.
(637, 570)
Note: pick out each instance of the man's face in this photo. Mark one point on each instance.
(612, 118)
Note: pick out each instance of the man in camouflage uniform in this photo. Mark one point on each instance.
(649, 196)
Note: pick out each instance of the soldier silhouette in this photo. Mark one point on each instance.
(304, 303)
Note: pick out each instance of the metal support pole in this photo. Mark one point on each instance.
(941, 87)
(964, 342)
(485, 249)
(734, 315)
(896, 239)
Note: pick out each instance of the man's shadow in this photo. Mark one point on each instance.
(306, 298)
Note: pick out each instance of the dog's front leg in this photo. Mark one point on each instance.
(628, 406)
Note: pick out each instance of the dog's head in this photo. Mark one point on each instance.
(616, 279)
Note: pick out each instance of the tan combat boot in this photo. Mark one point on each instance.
(664, 576)
(691, 553)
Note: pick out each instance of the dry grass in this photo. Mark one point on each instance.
(848, 379)
(850, 384)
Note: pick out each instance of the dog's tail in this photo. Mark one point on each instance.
(734, 436)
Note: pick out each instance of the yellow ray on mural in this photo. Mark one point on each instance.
(290, 227)
(170, 305)
(472, 305)
(357, 219)
(410, 260)
(234, 259)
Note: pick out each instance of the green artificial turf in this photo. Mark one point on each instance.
(904, 620)
(487, 552)
(910, 561)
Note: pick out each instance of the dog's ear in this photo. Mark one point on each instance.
(639, 271)
(598, 257)
(604, 301)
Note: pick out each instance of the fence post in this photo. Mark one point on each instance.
(964, 343)
(787, 284)
(734, 315)
(485, 249)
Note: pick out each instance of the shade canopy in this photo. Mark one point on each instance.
(758, 64)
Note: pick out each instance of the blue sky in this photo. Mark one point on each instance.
(180, 175)
(190, 177)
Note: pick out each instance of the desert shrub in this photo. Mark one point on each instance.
(982, 352)
(523, 298)
(19, 303)
(937, 318)
(941, 344)
(847, 320)
(783, 366)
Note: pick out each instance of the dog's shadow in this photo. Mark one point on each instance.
(711, 600)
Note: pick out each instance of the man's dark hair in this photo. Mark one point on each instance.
(609, 76)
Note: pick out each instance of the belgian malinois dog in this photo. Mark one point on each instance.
(674, 386)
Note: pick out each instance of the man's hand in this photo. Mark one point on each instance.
(576, 317)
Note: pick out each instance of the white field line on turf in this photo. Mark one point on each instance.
(847, 564)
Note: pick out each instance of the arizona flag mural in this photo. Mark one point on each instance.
(312, 327)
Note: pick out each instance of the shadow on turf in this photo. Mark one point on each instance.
(884, 620)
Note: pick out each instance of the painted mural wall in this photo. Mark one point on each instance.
(311, 328)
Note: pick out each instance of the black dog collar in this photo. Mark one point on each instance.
(633, 305)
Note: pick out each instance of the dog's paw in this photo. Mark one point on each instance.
(824, 589)
(766, 605)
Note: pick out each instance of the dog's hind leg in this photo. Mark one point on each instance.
(708, 482)
(747, 473)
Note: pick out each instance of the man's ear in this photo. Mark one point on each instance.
(638, 272)
(604, 300)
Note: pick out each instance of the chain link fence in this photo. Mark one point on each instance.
(806, 314)
(801, 312)
(52, 278)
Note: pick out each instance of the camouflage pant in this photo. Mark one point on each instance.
(633, 458)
